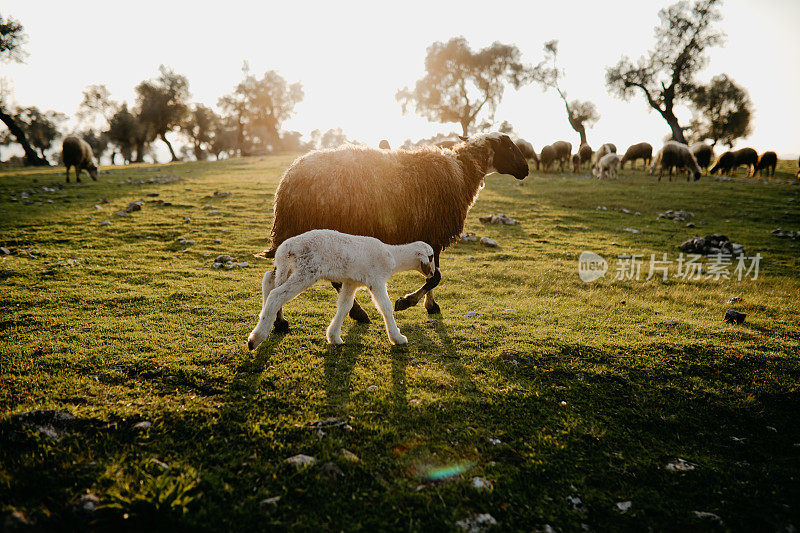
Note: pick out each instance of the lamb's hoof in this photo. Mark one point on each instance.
(250, 345)
(359, 315)
(281, 326)
(434, 309)
(401, 304)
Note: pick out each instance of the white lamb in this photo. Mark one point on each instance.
(352, 260)
(607, 166)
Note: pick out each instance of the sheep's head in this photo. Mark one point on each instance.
(424, 255)
(92, 170)
(508, 158)
(697, 176)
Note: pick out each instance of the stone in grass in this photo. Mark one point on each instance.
(467, 237)
(680, 465)
(87, 503)
(121, 214)
(350, 456)
(269, 505)
(143, 425)
(472, 314)
(223, 258)
(623, 507)
(476, 523)
(300, 460)
(732, 316)
(4, 251)
(735, 299)
(704, 515)
(105, 223)
(489, 243)
(481, 484)
(331, 472)
(134, 206)
(576, 504)
(51, 423)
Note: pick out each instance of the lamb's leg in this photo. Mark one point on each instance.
(344, 303)
(384, 305)
(268, 283)
(356, 312)
(276, 299)
(412, 299)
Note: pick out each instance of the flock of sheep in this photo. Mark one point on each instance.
(673, 156)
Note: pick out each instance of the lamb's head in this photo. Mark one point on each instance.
(423, 254)
(92, 170)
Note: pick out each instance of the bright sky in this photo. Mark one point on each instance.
(352, 57)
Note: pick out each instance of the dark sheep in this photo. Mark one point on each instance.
(748, 157)
(576, 163)
(703, 153)
(643, 151)
(724, 163)
(585, 151)
(676, 156)
(563, 151)
(767, 161)
(77, 153)
(527, 151)
(546, 157)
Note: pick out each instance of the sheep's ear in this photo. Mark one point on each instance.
(463, 138)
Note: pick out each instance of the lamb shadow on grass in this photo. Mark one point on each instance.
(339, 363)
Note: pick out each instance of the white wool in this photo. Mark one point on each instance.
(352, 260)
(607, 166)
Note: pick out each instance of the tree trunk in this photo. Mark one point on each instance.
(582, 133)
(31, 157)
(677, 131)
(169, 145)
(465, 128)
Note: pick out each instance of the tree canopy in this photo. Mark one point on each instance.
(666, 75)
(459, 84)
(722, 111)
(162, 104)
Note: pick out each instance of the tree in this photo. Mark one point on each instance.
(162, 105)
(225, 137)
(260, 106)
(579, 113)
(98, 142)
(12, 37)
(97, 107)
(459, 83)
(666, 75)
(723, 111)
(199, 126)
(125, 130)
(40, 128)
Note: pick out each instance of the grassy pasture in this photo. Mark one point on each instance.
(557, 390)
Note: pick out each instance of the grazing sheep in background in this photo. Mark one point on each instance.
(384, 145)
(527, 151)
(767, 161)
(607, 166)
(643, 151)
(607, 148)
(396, 196)
(585, 151)
(675, 155)
(546, 157)
(563, 151)
(352, 260)
(724, 163)
(77, 153)
(747, 157)
(576, 163)
(703, 153)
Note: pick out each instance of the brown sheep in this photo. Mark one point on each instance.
(767, 161)
(546, 157)
(607, 148)
(384, 145)
(747, 157)
(703, 153)
(585, 151)
(563, 154)
(527, 151)
(77, 153)
(675, 155)
(576, 163)
(643, 151)
(396, 196)
(724, 163)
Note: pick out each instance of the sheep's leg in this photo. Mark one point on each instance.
(276, 299)
(67, 173)
(430, 304)
(356, 312)
(381, 299)
(78, 174)
(344, 303)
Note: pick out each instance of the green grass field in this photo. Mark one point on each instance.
(568, 397)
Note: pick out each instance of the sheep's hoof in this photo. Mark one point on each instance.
(359, 315)
(434, 309)
(401, 304)
(281, 326)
